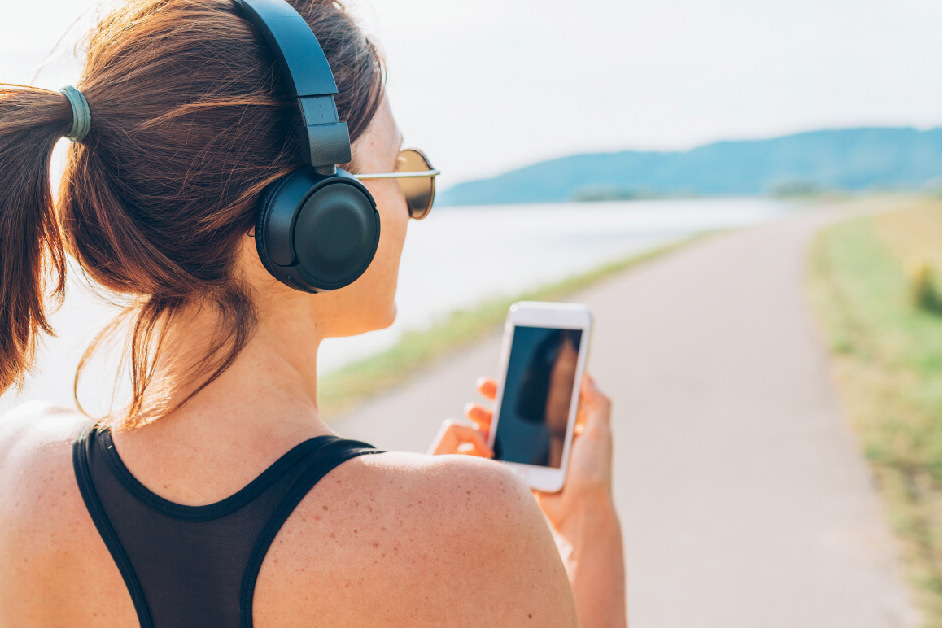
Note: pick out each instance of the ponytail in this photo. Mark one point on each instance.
(191, 124)
(31, 122)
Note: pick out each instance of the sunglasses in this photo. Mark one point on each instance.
(416, 179)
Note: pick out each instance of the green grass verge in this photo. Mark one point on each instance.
(341, 390)
(887, 355)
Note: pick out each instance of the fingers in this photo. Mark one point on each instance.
(487, 386)
(469, 449)
(460, 438)
(471, 441)
(590, 392)
(479, 415)
(594, 407)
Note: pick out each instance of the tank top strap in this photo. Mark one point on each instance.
(82, 454)
(331, 455)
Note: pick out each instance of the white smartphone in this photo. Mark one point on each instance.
(541, 364)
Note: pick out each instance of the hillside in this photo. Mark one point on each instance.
(843, 159)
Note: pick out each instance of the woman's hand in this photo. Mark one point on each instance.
(589, 478)
(588, 487)
(588, 533)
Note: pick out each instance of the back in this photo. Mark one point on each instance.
(196, 566)
(385, 539)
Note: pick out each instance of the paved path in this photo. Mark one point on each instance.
(743, 497)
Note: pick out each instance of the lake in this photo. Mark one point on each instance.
(453, 259)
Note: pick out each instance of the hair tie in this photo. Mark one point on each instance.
(81, 113)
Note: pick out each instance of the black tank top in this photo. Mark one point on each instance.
(196, 566)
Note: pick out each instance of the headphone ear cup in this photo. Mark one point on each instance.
(316, 232)
(336, 233)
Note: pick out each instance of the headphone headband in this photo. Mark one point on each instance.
(317, 228)
(304, 65)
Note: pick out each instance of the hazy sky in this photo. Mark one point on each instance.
(486, 85)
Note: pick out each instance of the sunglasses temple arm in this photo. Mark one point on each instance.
(398, 175)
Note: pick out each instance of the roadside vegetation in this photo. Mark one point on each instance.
(876, 285)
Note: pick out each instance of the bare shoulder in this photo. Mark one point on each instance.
(33, 437)
(35, 465)
(35, 440)
(455, 501)
(454, 493)
(39, 503)
(430, 540)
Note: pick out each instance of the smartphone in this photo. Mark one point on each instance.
(542, 359)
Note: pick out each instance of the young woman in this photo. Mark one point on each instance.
(218, 496)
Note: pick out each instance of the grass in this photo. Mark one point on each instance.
(873, 282)
(343, 389)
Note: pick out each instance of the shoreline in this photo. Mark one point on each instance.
(599, 238)
(340, 391)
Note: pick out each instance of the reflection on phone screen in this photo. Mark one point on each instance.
(534, 407)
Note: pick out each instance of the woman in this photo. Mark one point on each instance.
(154, 516)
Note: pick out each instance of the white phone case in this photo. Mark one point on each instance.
(551, 316)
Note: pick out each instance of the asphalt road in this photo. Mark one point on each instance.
(742, 493)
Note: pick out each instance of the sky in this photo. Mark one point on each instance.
(485, 86)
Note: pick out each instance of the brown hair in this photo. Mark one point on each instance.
(191, 120)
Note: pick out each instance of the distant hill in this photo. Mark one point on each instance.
(843, 159)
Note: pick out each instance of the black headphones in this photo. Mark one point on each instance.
(318, 227)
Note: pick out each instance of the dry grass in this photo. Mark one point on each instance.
(866, 275)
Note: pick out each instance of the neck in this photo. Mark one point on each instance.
(270, 390)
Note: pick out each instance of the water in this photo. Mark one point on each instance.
(454, 259)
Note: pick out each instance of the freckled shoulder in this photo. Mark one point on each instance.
(405, 539)
(36, 462)
(35, 445)
(40, 506)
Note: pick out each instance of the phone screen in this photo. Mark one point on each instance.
(538, 389)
